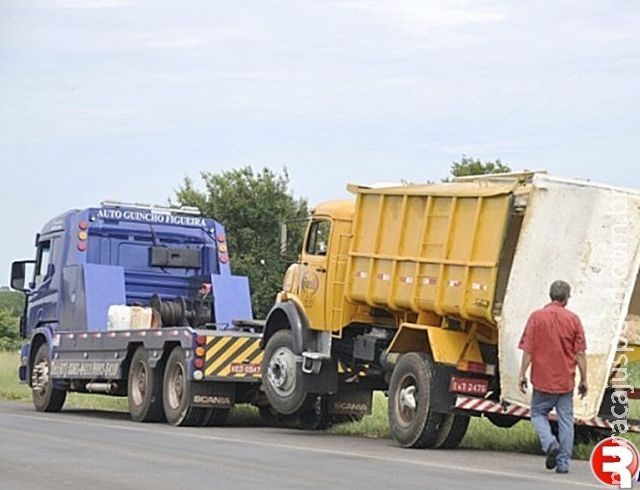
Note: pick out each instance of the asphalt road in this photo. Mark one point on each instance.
(78, 449)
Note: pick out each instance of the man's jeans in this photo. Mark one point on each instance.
(541, 405)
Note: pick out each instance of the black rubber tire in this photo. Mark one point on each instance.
(216, 417)
(272, 418)
(46, 398)
(413, 428)
(503, 421)
(584, 434)
(452, 430)
(282, 374)
(314, 415)
(176, 393)
(144, 389)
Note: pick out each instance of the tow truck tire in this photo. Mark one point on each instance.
(46, 398)
(144, 389)
(176, 393)
(451, 431)
(412, 421)
(216, 417)
(282, 374)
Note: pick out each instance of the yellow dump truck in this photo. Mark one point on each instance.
(423, 291)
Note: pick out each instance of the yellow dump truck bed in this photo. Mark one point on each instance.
(430, 248)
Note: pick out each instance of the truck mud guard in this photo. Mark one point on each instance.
(285, 315)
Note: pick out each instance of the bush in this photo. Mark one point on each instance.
(9, 330)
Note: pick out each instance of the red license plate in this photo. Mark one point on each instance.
(470, 386)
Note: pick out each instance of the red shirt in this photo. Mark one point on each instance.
(553, 336)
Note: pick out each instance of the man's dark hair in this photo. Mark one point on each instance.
(560, 291)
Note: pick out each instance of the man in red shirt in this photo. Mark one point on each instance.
(553, 343)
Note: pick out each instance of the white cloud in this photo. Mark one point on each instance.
(163, 41)
(89, 4)
(421, 17)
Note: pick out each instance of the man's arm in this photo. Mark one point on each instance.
(581, 361)
(524, 365)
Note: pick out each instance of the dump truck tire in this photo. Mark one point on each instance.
(144, 389)
(412, 421)
(451, 431)
(46, 398)
(176, 393)
(503, 421)
(282, 374)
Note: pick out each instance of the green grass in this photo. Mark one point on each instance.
(481, 434)
(10, 389)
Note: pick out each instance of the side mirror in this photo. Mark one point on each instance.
(19, 273)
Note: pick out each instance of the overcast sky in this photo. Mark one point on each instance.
(123, 98)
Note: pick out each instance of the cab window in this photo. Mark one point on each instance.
(43, 259)
(318, 237)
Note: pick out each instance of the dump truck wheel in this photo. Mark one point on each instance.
(412, 421)
(503, 421)
(451, 431)
(589, 435)
(314, 415)
(282, 374)
(144, 389)
(46, 398)
(176, 393)
(274, 419)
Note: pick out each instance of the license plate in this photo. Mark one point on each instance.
(470, 386)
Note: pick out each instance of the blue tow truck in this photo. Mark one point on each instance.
(139, 301)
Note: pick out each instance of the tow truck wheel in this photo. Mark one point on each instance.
(412, 421)
(216, 417)
(176, 393)
(144, 389)
(46, 398)
(451, 431)
(282, 378)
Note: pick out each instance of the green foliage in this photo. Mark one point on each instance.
(252, 207)
(12, 301)
(469, 166)
(11, 306)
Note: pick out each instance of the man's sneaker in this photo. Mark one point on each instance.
(552, 455)
(562, 471)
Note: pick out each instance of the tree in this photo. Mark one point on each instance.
(11, 305)
(252, 206)
(9, 330)
(469, 166)
(12, 301)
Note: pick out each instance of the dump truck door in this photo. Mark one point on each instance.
(313, 274)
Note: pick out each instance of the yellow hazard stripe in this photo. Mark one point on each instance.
(246, 355)
(231, 356)
(215, 346)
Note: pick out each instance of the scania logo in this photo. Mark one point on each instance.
(350, 407)
(211, 400)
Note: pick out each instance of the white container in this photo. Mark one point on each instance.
(588, 235)
(123, 317)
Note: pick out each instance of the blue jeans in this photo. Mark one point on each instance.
(541, 405)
